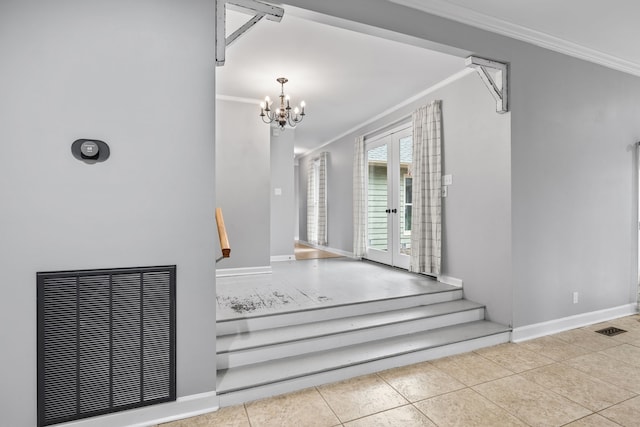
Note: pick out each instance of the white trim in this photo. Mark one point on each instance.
(391, 110)
(279, 258)
(373, 137)
(495, 25)
(328, 249)
(373, 30)
(183, 407)
(450, 280)
(252, 101)
(537, 330)
(243, 271)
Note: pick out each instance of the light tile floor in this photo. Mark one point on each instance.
(576, 378)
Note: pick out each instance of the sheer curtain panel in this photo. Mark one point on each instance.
(426, 223)
(359, 199)
(322, 200)
(317, 200)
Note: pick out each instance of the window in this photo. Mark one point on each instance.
(408, 203)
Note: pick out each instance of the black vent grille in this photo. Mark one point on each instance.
(106, 341)
(610, 331)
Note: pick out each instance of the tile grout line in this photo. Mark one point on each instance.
(328, 405)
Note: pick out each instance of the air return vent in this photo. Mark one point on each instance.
(611, 331)
(106, 341)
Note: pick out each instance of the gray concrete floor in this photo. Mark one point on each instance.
(307, 284)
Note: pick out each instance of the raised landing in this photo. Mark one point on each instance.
(317, 283)
(370, 318)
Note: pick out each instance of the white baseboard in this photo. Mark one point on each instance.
(243, 271)
(537, 330)
(328, 249)
(183, 407)
(278, 258)
(450, 281)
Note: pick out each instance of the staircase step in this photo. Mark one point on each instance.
(263, 345)
(259, 380)
(255, 323)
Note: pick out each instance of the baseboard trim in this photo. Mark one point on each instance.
(183, 407)
(243, 271)
(450, 281)
(537, 330)
(328, 249)
(279, 258)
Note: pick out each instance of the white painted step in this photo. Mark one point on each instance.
(235, 326)
(261, 346)
(265, 379)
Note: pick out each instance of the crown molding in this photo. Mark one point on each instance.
(238, 99)
(470, 17)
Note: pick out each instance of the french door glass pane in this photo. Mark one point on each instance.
(406, 181)
(377, 198)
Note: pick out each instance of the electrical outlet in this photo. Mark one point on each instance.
(575, 297)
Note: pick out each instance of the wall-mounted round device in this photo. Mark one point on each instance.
(90, 150)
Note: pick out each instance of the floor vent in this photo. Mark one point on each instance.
(106, 341)
(611, 331)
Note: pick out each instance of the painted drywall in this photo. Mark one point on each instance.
(476, 213)
(476, 229)
(243, 177)
(298, 200)
(138, 75)
(282, 204)
(573, 126)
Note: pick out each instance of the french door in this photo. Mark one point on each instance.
(389, 183)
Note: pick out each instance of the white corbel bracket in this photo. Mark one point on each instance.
(259, 9)
(498, 85)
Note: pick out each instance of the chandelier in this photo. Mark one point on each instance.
(282, 115)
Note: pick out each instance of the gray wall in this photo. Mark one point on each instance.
(476, 214)
(242, 183)
(140, 76)
(476, 244)
(572, 127)
(282, 206)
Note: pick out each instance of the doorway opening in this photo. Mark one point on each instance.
(389, 204)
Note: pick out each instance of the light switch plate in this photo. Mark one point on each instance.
(447, 179)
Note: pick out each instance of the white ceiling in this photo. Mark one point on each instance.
(345, 77)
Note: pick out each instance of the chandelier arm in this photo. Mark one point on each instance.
(269, 119)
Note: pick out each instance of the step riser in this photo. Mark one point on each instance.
(308, 316)
(229, 398)
(271, 352)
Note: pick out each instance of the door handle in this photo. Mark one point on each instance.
(394, 210)
(388, 210)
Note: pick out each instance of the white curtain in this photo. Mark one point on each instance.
(322, 200)
(426, 221)
(317, 200)
(312, 201)
(359, 199)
